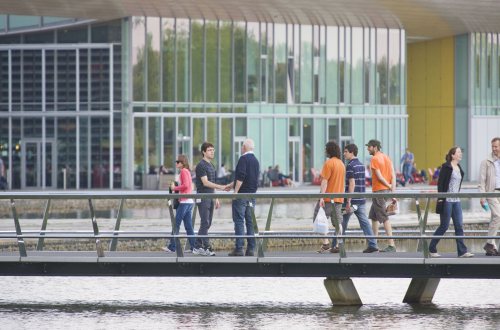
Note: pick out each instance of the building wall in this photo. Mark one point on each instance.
(431, 100)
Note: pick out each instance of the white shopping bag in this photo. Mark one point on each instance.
(320, 224)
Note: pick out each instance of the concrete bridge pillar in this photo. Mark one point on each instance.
(421, 290)
(342, 292)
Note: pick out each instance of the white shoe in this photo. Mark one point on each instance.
(466, 255)
(166, 249)
(199, 251)
(434, 254)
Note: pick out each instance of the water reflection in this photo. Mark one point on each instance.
(263, 303)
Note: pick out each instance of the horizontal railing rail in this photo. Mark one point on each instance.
(262, 237)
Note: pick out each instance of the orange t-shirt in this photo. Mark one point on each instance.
(334, 173)
(382, 163)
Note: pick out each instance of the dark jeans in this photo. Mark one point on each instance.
(242, 218)
(206, 211)
(184, 212)
(453, 210)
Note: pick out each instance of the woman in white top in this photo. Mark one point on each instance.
(450, 180)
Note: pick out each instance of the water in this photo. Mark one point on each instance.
(243, 303)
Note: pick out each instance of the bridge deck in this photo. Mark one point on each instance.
(304, 263)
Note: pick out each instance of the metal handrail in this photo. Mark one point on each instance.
(261, 237)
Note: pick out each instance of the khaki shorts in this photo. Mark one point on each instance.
(377, 211)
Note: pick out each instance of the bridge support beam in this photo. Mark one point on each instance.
(421, 290)
(342, 292)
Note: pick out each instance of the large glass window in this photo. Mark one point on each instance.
(212, 61)
(168, 59)
(253, 62)
(381, 78)
(153, 59)
(182, 59)
(226, 62)
(138, 54)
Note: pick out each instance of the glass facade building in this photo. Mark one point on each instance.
(101, 105)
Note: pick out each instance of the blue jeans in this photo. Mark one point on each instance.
(407, 172)
(453, 210)
(242, 217)
(364, 224)
(183, 214)
(206, 211)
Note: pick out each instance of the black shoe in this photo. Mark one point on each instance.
(490, 250)
(370, 249)
(249, 253)
(236, 253)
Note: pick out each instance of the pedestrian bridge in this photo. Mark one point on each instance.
(337, 269)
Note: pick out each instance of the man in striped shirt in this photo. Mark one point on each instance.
(355, 182)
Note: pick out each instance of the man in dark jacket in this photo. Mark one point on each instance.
(246, 181)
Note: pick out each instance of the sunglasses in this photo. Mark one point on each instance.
(178, 161)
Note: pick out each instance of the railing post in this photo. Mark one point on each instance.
(41, 240)
(98, 245)
(263, 246)
(20, 240)
(114, 242)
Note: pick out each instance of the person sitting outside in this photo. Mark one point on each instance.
(284, 180)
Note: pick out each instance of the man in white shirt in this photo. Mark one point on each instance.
(489, 181)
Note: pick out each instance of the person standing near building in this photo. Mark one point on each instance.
(407, 161)
(3, 175)
(205, 184)
(332, 181)
(246, 181)
(450, 180)
(355, 183)
(489, 181)
(185, 209)
(383, 181)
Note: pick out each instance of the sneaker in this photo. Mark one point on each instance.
(370, 249)
(236, 253)
(209, 252)
(334, 249)
(199, 251)
(490, 249)
(324, 248)
(249, 253)
(466, 255)
(434, 255)
(166, 249)
(389, 248)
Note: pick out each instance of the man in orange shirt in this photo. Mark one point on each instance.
(383, 181)
(332, 181)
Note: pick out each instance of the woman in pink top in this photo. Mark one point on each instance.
(185, 209)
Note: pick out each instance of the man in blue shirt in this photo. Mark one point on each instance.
(355, 182)
(407, 161)
(246, 181)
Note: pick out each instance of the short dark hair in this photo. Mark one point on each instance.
(205, 145)
(495, 139)
(352, 148)
(450, 153)
(332, 149)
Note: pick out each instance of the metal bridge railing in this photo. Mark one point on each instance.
(261, 237)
